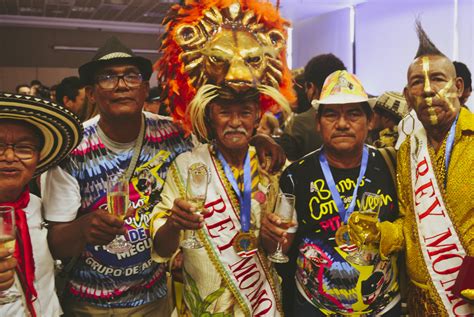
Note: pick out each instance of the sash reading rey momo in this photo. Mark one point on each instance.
(442, 250)
(249, 279)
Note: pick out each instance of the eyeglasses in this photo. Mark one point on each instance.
(22, 151)
(110, 81)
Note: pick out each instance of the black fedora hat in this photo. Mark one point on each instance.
(114, 52)
(60, 128)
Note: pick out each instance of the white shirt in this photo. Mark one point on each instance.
(47, 303)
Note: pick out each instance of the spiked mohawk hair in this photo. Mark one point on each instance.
(426, 47)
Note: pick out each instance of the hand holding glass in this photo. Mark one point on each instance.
(366, 223)
(7, 241)
(196, 191)
(117, 202)
(285, 208)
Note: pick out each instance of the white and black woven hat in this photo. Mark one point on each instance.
(61, 130)
(393, 102)
(114, 52)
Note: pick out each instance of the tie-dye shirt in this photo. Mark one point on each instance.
(101, 278)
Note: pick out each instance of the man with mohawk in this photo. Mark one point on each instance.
(232, 70)
(435, 168)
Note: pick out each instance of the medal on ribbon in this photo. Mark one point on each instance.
(245, 242)
(342, 234)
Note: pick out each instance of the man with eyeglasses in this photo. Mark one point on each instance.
(122, 140)
(35, 134)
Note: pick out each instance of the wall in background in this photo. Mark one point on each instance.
(466, 30)
(386, 41)
(28, 53)
(385, 38)
(327, 33)
(10, 77)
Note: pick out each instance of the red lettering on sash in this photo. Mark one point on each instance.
(448, 290)
(248, 276)
(429, 211)
(443, 248)
(445, 257)
(266, 309)
(227, 245)
(422, 172)
(250, 279)
(255, 296)
(221, 225)
(422, 188)
(217, 205)
(241, 266)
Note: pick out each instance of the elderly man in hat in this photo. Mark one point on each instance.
(435, 172)
(35, 135)
(329, 185)
(389, 110)
(122, 141)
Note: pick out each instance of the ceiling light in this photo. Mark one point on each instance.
(30, 10)
(153, 14)
(83, 9)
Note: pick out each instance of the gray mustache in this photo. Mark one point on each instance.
(238, 130)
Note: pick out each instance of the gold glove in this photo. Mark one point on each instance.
(364, 228)
(468, 293)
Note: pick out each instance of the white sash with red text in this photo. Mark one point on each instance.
(442, 250)
(247, 278)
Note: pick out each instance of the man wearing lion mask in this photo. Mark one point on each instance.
(223, 63)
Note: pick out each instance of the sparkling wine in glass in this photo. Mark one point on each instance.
(367, 220)
(285, 209)
(117, 203)
(196, 191)
(7, 241)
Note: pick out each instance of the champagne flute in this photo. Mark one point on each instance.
(285, 208)
(196, 191)
(367, 219)
(7, 241)
(117, 202)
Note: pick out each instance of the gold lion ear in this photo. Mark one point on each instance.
(188, 35)
(277, 40)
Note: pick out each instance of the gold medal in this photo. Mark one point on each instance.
(342, 236)
(245, 244)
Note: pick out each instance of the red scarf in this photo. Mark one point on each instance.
(23, 249)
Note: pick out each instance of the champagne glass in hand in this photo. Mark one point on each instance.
(117, 202)
(366, 222)
(285, 208)
(196, 191)
(7, 241)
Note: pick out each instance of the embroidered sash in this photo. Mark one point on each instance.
(249, 279)
(442, 250)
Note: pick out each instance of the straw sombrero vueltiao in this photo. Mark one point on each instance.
(61, 129)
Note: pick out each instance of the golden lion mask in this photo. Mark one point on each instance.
(228, 48)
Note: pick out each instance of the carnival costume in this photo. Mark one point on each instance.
(227, 50)
(427, 297)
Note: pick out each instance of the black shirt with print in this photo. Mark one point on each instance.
(317, 213)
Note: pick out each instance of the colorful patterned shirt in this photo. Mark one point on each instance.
(101, 278)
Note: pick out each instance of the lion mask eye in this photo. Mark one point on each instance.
(216, 59)
(253, 60)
